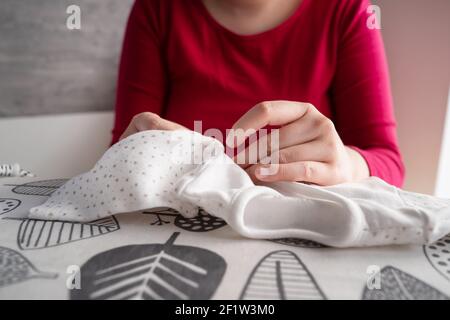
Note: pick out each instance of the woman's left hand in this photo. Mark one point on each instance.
(309, 148)
(149, 121)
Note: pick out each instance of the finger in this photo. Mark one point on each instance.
(304, 130)
(258, 149)
(152, 121)
(305, 171)
(316, 150)
(251, 172)
(149, 121)
(141, 122)
(165, 124)
(263, 114)
(308, 128)
(128, 132)
(131, 129)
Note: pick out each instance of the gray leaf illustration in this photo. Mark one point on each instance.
(38, 234)
(159, 213)
(302, 243)
(7, 205)
(203, 222)
(399, 285)
(281, 275)
(15, 268)
(39, 188)
(151, 271)
(438, 255)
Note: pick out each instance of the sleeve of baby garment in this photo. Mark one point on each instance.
(224, 189)
(367, 213)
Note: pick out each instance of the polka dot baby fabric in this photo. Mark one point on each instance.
(185, 171)
(137, 173)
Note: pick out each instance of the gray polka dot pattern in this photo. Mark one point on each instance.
(438, 254)
(138, 173)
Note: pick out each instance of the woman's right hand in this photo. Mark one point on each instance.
(149, 121)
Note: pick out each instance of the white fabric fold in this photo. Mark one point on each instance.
(185, 170)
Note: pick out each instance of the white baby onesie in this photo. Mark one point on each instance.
(185, 170)
(134, 174)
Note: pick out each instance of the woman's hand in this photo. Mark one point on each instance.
(149, 121)
(309, 149)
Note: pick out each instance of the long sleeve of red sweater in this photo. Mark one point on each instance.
(179, 62)
(142, 81)
(361, 96)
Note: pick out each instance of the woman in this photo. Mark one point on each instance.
(310, 67)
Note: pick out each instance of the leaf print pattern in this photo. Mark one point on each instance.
(302, 243)
(151, 271)
(160, 213)
(203, 222)
(281, 275)
(39, 188)
(438, 254)
(7, 205)
(16, 268)
(38, 234)
(399, 285)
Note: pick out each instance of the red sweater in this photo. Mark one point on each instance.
(179, 62)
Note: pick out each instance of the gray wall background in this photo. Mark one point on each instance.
(47, 68)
